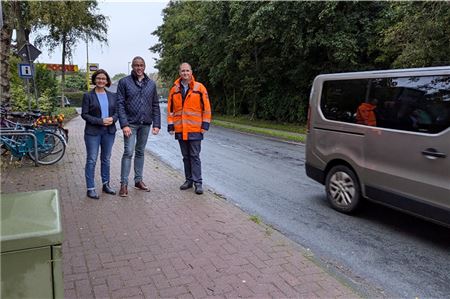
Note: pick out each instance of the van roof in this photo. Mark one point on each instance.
(395, 72)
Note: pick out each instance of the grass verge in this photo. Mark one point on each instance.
(286, 135)
(245, 120)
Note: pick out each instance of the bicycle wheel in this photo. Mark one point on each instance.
(51, 148)
(63, 132)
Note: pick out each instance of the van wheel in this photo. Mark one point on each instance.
(342, 188)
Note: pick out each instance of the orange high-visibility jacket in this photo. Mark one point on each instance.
(365, 114)
(190, 117)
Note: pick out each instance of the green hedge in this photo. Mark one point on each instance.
(69, 112)
(75, 98)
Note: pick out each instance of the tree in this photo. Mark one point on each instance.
(68, 22)
(418, 34)
(5, 50)
(260, 58)
(14, 14)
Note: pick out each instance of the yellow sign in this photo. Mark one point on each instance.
(91, 69)
(58, 67)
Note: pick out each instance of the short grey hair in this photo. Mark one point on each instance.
(179, 67)
(137, 58)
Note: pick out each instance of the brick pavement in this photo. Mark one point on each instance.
(166, 243)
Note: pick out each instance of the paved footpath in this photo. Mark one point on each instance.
(166, 243)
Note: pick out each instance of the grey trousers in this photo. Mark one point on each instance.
(190, 149)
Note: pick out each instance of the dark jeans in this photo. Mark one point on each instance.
(190, 150)
(103, 141)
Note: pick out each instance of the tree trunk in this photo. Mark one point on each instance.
(234, 102)
(254, 105)
(5, 49)
(22, 33)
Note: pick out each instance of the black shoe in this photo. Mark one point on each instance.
(186, 185)
(107, 189)
(198, 188)
(92, 194)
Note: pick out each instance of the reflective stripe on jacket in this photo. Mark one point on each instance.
(189, 117)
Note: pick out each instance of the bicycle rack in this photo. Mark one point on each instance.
(15, 132)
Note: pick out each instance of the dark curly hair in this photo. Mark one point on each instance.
(101, 71)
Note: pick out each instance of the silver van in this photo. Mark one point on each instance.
(383, 136)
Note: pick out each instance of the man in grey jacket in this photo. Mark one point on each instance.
(138, 109)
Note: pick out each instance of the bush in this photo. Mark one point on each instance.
(19, 98)
(69, 112)
(45, 81)
(76, 81)
(76, 98)
(46, 101)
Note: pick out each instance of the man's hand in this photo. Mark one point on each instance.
(155, 131)
(126, 131)
(171, 132)
(107, 121)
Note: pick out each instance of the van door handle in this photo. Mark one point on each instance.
(431, 153)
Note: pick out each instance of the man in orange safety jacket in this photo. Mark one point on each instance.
(188, 117)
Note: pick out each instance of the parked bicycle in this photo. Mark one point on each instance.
(54, 124)
(42, 146)
(44, 141)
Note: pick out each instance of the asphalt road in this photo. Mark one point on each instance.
(384, 253)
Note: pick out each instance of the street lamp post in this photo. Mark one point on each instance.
(129, 62)
(87, 65)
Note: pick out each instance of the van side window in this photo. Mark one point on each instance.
(419, 104)
(340, 99)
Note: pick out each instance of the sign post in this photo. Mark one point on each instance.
(29, 53)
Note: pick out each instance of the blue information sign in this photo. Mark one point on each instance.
(25, 70)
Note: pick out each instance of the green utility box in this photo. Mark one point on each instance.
(31, 252)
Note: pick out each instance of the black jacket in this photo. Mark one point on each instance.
(92, 114)
(138, 104)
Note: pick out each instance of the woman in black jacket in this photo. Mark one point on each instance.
(100, 113)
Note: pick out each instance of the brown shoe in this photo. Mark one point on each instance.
(123, 190)
(141, 186)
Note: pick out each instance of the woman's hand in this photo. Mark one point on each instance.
(107, 121)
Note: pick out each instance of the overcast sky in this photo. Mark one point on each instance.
(129, 34)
